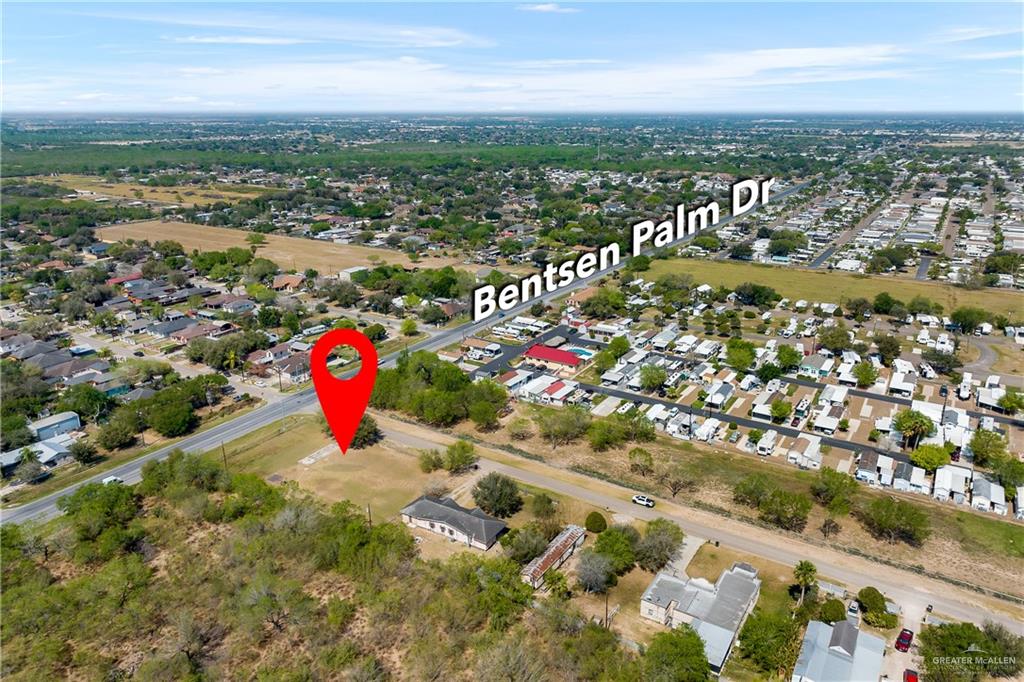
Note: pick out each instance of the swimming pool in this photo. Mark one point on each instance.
(582, 352)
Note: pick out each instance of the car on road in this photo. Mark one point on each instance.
(903, 641)
(138, 354)
(112, 479)
(909, 675)
(643, 501)
(795, 422)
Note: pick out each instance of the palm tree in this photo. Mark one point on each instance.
(806, 574)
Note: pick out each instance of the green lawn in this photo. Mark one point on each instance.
(825, 286)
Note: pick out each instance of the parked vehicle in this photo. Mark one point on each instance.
(138, 354)
(904, 640)
(909, 675)
(112, 479)
(643, 501)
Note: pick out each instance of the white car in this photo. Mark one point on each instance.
(643, 501)
(112, 479)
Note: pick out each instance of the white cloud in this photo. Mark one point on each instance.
(320, 29)
(238, 40)
(554, 63)
(182, 99)
(1006, 54)
(965, 33)
(548, 7)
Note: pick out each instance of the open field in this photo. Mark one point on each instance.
(290, 253)
(823, 286)
(182, 195)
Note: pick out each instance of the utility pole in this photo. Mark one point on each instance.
(224, 455)
(369, 517)
(606, 607)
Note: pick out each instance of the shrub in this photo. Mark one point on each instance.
(595, 522)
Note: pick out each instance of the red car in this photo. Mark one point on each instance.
(904, 640)
(909, 676)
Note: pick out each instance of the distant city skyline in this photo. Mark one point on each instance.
(517, 57)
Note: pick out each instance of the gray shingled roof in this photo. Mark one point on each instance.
(473, 522)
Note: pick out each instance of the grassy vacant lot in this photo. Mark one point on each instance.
(824, 286)
(385, 476)
(183, 195)
(290, 253)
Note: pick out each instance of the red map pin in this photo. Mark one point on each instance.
(343, 400)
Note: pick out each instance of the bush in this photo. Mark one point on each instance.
(595, 522)
(430, 460)
(832, 611)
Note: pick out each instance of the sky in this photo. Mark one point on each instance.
(496, 58)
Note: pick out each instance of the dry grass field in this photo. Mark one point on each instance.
(184, 195)
(835, 287)
(290, 253)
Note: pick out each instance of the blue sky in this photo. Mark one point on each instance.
(248, 57)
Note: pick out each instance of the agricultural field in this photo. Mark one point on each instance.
(290, 253)
(834, 287)
(181, 195)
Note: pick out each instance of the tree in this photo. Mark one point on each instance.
(835, 339)
(806, 574)
(616, 545)
(676, 656)
(408, 327)
(29, 469)
(603, 361)
(119, 432)
(560, 427)
(1011, 402)
(594, 571)
(968, 318)
(497, 495)
(780, 409)
(171, 418)
(834, 490)
(527, 544)
(788, 357)
(661, 541)
(430, 460)
(769, 639)
(459, 457)
(676, 477)
(768, 371)
(484, 414)
(618, 346)
(83, 451)
(785, 509)
(751, 490)
(641, 462)
(84, 400)
(739, 354)
(542, 506)
(997, 652)
(595, 522)
(376, 332)
(930, 457)
(865, 374)
(895, 520)
(889, 348)
(913, 425)
(652, 378)
(987, 447)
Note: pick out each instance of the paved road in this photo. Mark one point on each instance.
(45, 507)
(911, 591)
(923, 266)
